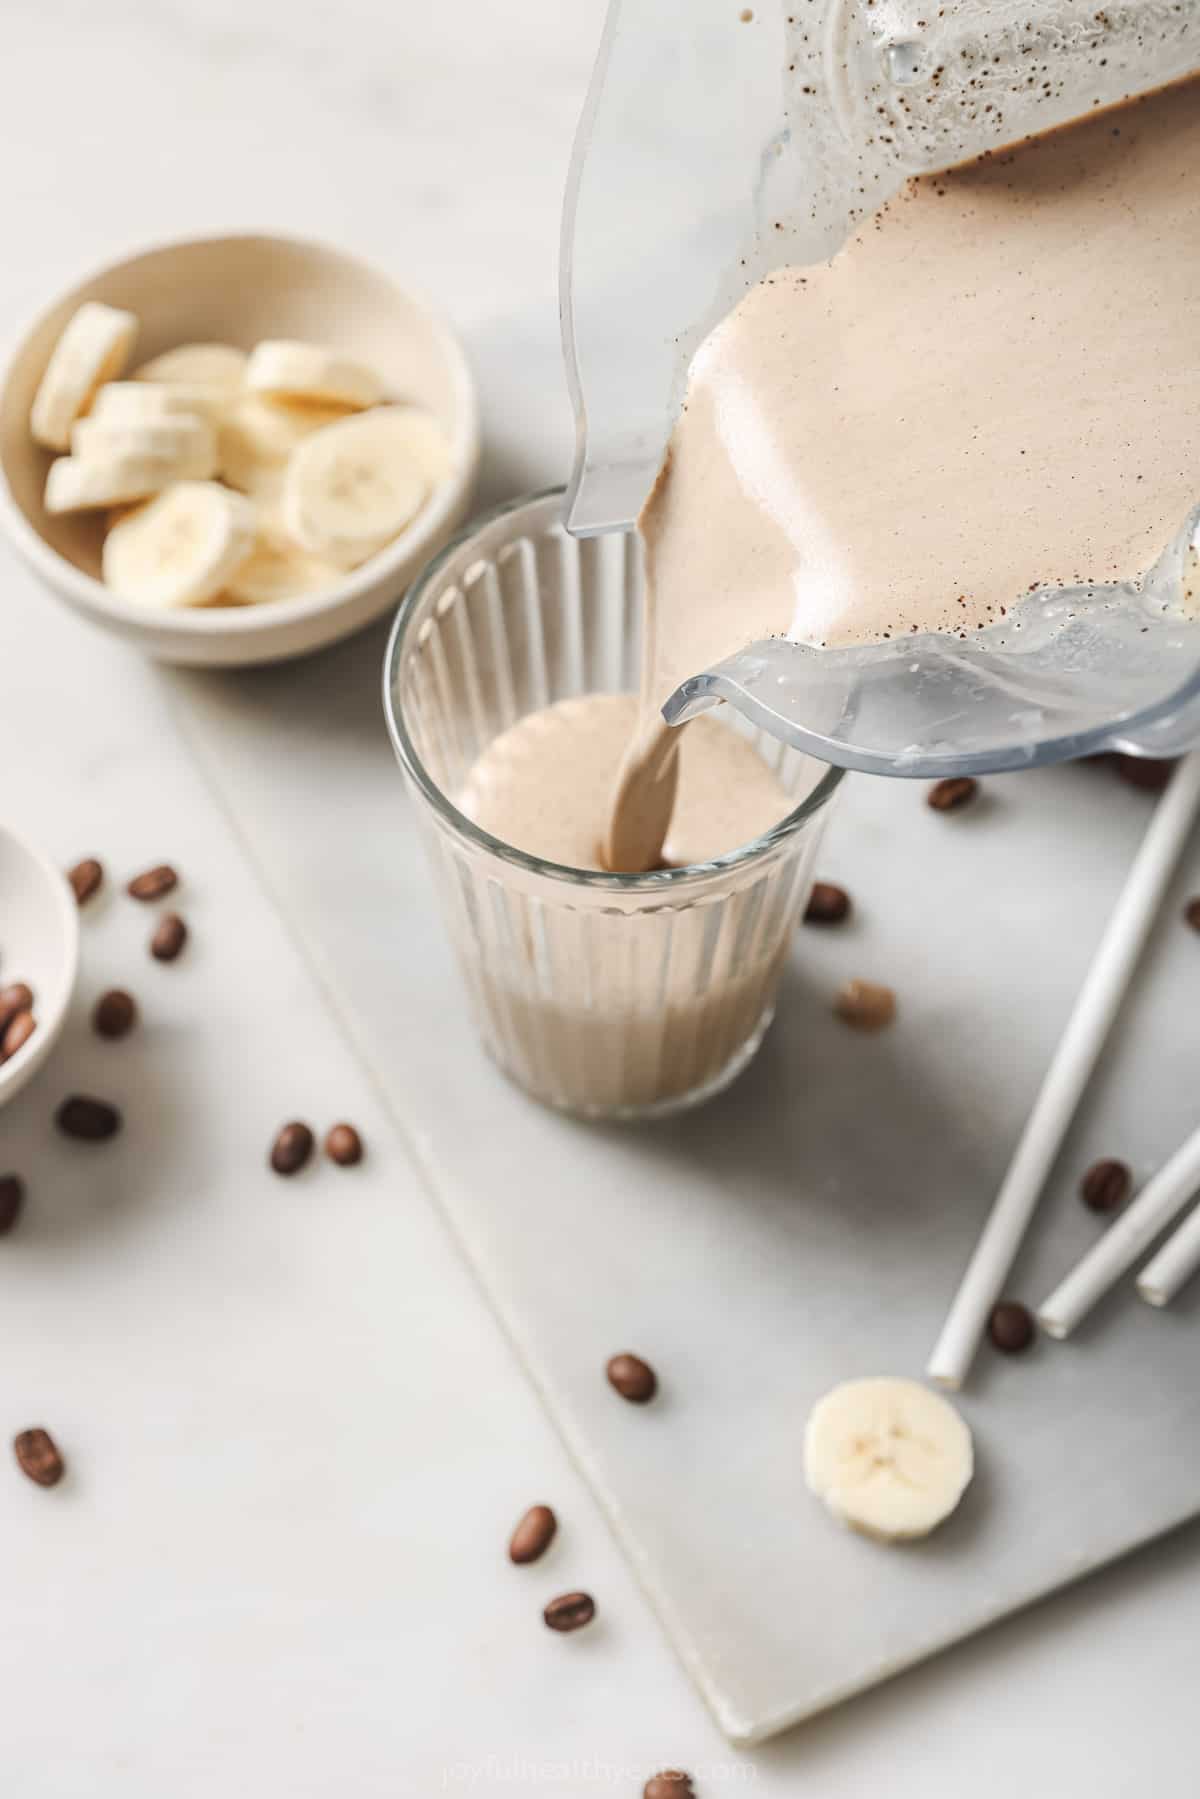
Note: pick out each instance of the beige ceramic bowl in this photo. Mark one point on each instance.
(238, 290)
(39, 940)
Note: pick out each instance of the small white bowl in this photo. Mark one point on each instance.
(238, 290)
(39, 944)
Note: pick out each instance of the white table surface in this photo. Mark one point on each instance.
(297, 1435)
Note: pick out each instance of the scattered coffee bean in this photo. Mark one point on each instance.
(952, 794)
(633, 1379)
(1011, 1327)
(533, 1535)
(115, 1013)
(672, 1783)
(12, 1198)
(14, 998)
(570, 1611)
(38, 1457)
(86, 879)
(17, 1033)
(827, 904)
(91, 1120)
(1106, 1186)
(1191, 913)
(154, 883)
(343, 1145)
(169, 937)
(1143, 771)
(865, 1005)
(291, 1148)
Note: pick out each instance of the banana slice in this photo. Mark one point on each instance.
(276, 570)
(197, 365)
(94, 347)
(187, 442)
(123, 510)
(74, 485)
(182, 548)
(888, 1457)
(353, 487)
(142, 402)
(310, 372)
(258, 436)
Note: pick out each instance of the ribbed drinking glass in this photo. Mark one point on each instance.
(609, 995)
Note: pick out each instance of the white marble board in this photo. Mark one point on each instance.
(807, 1227)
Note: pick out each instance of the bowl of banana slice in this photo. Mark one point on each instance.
(235, 449)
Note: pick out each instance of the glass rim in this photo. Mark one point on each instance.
(656, 881)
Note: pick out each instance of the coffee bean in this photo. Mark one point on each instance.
(16, 997)
(86, 878)
(37, 1456)
(533, 1535)
(633, 1379)
(291, 1148)
(343, 1145)
(12, 1198)
(827, 904)
(169, 937)
(865, 1006)
(115, 1013)
(672, 1783)
(570, 1611)
(950, 795)
(1191, 913)
(1011, 1327)
(154, 883)
(17, 1033)
(91, 1120)
(1143, 771)
(1106, 1186)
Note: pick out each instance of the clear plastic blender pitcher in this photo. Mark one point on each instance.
(721, 141)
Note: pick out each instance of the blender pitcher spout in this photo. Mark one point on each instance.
(1095, 668)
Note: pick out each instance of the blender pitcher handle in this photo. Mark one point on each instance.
(684, 102)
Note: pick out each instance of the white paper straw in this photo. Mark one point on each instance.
(1067, 1076)
(1124, 1241)
(1175, 1263)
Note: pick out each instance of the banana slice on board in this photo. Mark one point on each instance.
(197, 365)
(187, 442)
(258, 436)
(311, 372)
(353, 487)
(888, 1457)
(143, 402)
(182, 548)
(94, 347)
(276, 570)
